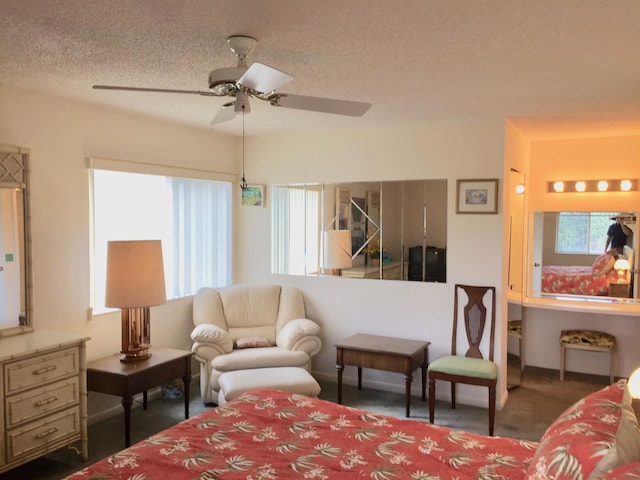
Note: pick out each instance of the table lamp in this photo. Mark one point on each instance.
(622, 266)
(337, 250)
(135, 282)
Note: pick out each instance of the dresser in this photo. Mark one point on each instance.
(390, 271)
(44, 395)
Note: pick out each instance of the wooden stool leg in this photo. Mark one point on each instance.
(562, 360)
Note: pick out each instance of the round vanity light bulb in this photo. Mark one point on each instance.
(603, 186)
(625, 185)
(634, 383)
(519, 188)
(580, 186)
(558, 186)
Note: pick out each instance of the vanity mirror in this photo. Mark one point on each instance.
(397, 229)
(569, 261)
(15, 242)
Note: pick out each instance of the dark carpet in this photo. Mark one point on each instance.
(532, 406)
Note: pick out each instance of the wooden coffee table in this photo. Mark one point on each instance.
(391, 354)
(111, 376)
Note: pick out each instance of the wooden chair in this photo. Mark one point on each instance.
(471, 368)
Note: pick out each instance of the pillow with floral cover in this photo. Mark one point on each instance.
(590, 437)
(630, 471)
(603, 264)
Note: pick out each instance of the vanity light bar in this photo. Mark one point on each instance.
(571, 186)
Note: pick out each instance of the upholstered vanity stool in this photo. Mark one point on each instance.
(514, 329)
(588, 340)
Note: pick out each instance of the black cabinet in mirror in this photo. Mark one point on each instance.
(393, 230)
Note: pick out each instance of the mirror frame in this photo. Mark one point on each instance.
(18, 177)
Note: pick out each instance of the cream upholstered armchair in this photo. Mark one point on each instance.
(250, 326)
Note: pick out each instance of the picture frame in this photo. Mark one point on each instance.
(477, 196)
(253, 196)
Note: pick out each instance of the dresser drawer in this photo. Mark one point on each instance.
(35, 403)
(39, 370)
(43, 435)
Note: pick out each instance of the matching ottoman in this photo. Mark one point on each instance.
(290, 379)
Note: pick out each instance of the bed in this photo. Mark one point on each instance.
(583, 280)
(271, 434)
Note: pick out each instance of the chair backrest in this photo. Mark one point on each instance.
(474, 316)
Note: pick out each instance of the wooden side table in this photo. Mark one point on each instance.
(619, 289)
(383, 353)
(111, 376)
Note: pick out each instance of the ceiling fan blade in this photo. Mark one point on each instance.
(318, 104)
(226, 113)
(263, 78)
(156, 90)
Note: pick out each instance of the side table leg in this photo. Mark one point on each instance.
(144, 400)
(423, 367)
(407, 391)
(340, 369)
(126, 403)
(359, 378)
(186, 380)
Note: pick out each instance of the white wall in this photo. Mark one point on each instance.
(61, 134)
(452, 150)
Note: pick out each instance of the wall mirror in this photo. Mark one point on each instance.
(15, 243)
(568, 258)
(393, 230)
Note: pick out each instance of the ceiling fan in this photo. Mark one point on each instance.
(256, 81)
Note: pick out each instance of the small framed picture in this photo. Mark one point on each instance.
(477, 196)
(253, 196)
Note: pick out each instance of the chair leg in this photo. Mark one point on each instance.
(432, 399)
(492, 408)
(562, 360)
(453, 395)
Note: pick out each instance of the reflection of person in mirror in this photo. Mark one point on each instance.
(617, 235)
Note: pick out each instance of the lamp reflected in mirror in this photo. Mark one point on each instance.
(337, 251)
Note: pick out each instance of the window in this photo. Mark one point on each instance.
(582, 232)
(192, 217)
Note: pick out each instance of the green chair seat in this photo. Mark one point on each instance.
(470, 367)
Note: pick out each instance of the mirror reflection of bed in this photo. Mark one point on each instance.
(581, 266)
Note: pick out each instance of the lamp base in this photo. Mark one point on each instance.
(136, 344)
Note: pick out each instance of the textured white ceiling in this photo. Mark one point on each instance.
(546, 63)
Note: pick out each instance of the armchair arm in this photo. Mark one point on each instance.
(300, 334)
(210, 341)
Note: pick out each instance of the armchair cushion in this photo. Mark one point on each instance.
(260, 358)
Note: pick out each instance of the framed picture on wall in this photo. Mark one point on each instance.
(477, 196)
(253, 196)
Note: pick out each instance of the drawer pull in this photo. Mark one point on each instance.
(45, 401)
(46, 433)
(40, 371)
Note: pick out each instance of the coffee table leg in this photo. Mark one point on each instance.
(126, 403)
(407, 391)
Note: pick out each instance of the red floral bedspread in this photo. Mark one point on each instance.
(268, 434)
(576, 280)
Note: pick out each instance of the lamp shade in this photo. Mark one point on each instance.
(621, 264)
(135, 274)
(337, 249)
(634, 383)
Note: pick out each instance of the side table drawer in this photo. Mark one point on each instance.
(39, 370)
(38, 436)
(38, 402)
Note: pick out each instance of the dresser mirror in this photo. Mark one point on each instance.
(397, 230)
(568, 259)
(15, 242)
